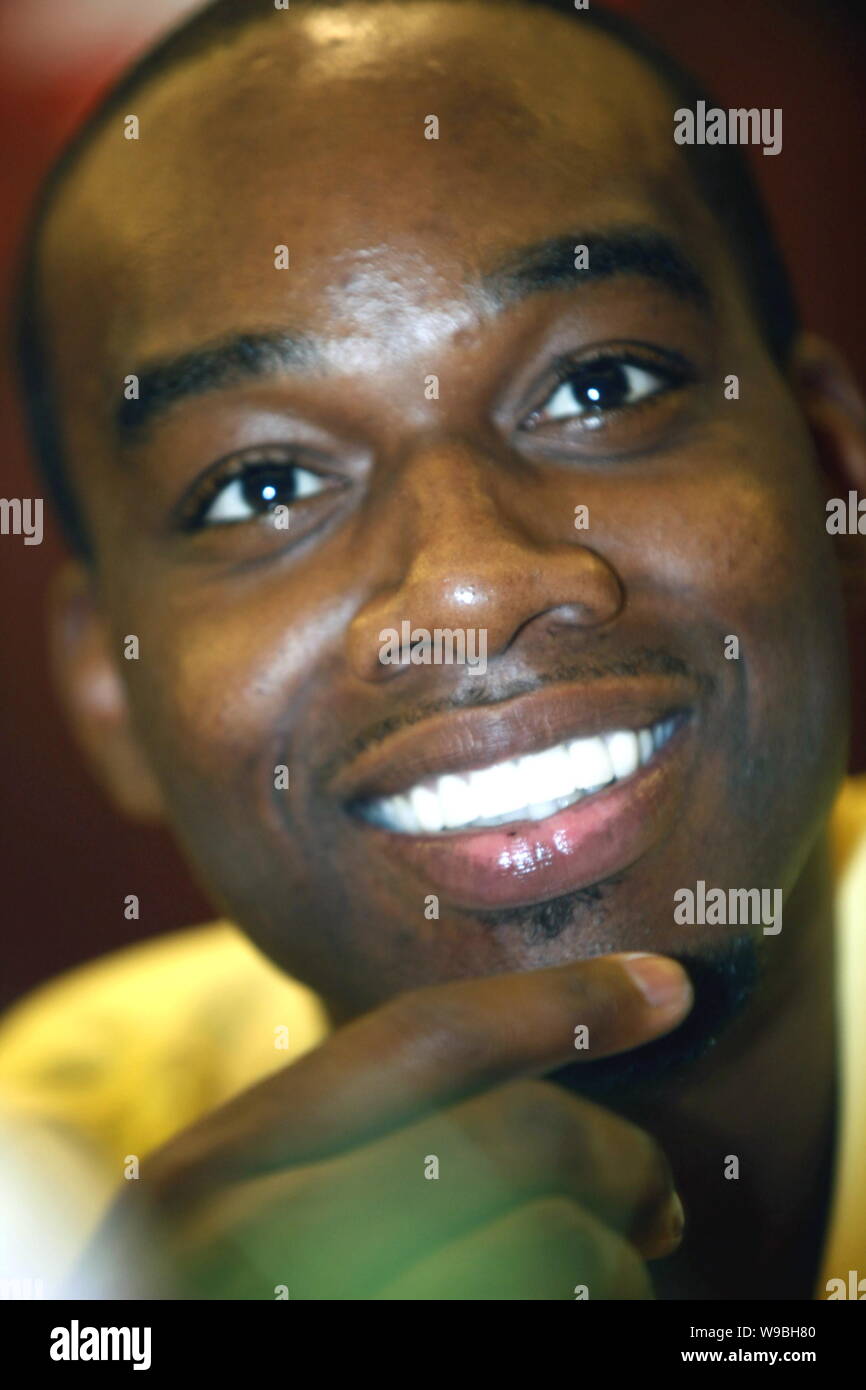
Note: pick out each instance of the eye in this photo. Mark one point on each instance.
(592, 389)
(257, 489)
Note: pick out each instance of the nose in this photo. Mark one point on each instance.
(473, 547)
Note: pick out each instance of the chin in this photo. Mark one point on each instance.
(725, 977)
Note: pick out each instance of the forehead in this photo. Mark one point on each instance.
(313, 133)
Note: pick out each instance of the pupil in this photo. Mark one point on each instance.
(603, 387)
(266, 488)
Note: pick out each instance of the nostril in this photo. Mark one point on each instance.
(579, 615)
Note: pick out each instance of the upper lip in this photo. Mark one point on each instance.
(462, 740)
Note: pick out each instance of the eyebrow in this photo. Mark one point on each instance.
(539, 268)
(243, 357)
(630, 250)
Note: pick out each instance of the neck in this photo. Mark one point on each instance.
(750, 1133)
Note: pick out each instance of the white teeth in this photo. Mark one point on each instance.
(496, 791)
(453, 795)
(530, 788)
(400, 814)
(427, 809)
(662, 731)
(645, 745)
(545, 776)
(590, 762)
(624, 755)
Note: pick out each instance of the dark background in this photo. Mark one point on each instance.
(67, 860)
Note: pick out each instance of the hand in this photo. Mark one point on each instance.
(322, 1179)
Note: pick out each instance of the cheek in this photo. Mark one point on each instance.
(223, 681)
(769, 560)
(742, 552)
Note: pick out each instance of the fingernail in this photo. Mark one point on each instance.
(670, 1230)
(662, 982)
(677, 1218)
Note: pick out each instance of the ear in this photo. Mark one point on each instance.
(94, 697)
(835, 411)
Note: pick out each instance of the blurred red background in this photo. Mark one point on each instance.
(67, 860)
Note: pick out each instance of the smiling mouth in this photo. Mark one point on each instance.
(500, 805)
(520, 790)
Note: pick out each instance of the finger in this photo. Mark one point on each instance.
(425, 1049)
(549, 1249)
(338, 1227)
(438, 1177)
(538, 1139)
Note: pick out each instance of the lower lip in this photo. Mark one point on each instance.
(532, 861)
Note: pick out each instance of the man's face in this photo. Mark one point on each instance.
(449, 391)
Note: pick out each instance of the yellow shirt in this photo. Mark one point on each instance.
(109, 1060)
